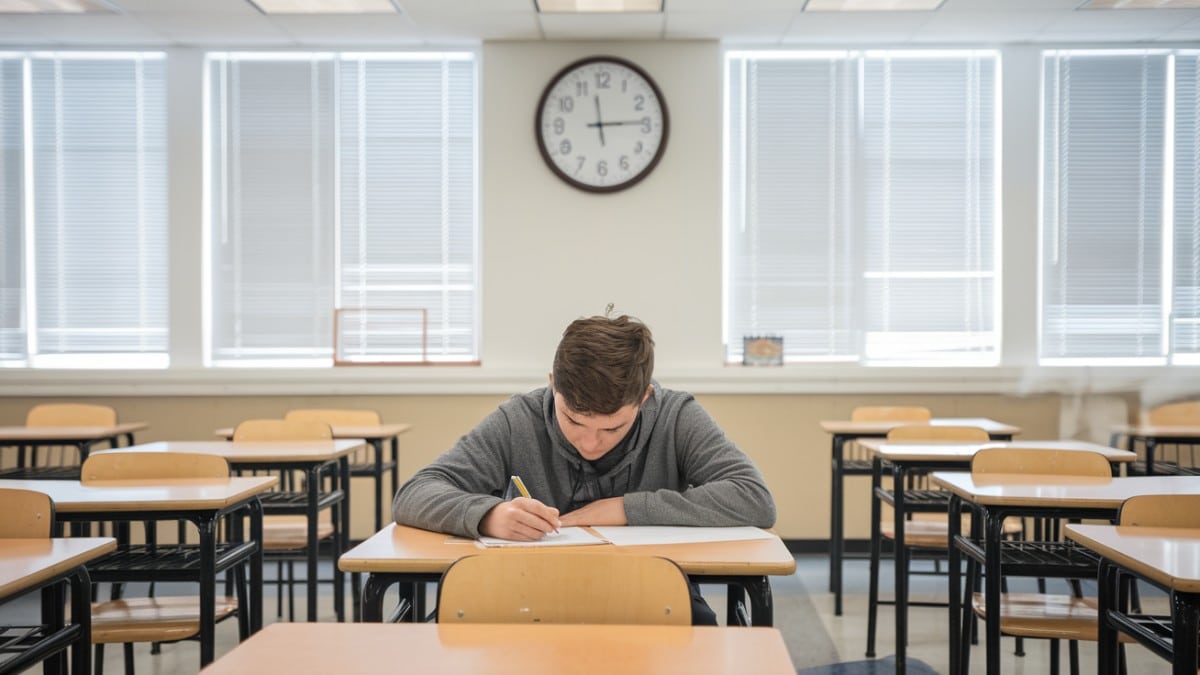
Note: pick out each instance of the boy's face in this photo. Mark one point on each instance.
(594, 435)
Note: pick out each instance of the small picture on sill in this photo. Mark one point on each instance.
(758, 350)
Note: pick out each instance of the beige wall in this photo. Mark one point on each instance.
(780, 432)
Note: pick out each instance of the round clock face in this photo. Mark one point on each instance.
(602, 124)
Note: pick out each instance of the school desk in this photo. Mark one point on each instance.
(1150, 436)
(203, 501)
(923, 456)
(28, 565)
(375, 436)
(81, 438)
(1168, 558)
(507, 649)
(314, 458)
(994, 497)
(409, 556)
(842, 431)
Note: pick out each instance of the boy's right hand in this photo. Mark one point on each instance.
(520, 519)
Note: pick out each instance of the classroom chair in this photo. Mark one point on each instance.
(27, 514)
(64, 415)
(285, 535)
(1176, 414)
(369, 461)
(544, 586)
(156, 619)
(1041, 615)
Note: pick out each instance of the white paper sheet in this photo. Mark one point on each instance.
(653, 534)
(566, 536)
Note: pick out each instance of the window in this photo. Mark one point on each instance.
(1120, 251)
(83, 196)
(343, 215)
(861, 219)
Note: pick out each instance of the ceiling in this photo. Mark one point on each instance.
(238, 24)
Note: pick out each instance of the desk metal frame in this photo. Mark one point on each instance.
(837, 536)
(26, 469)
(1160, 637)
(213, 559)
(58, 635)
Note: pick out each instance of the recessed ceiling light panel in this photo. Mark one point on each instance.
(584, 6)
(872, 5)
(55, 7)
(1140, 4)
(326, 6)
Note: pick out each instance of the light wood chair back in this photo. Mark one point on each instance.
(152, 465)
(70, 415)
(27, 514)
(1161, 511)
(929, 432)
(282, 430)
(348, 417)
(890, 414)
(541, 586)
(1040, 461)
(1179, 413)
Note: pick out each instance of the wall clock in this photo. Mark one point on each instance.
(602, 124)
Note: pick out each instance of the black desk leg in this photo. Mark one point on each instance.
(762, 605)
(835, 525)
(314, 484)
(900, 560)
(994, 522)
(81, 614)
(954, 574)
(256, 566)
(377, 449)
(1185, 607)
(876, 543)
(208, 588)
(373, 593)
(1106, 636)
(54, 619)
(343, 540)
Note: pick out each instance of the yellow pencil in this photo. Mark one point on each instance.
(516, 480)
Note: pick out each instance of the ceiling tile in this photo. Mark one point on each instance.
(344, 31)
(733, 27)
(216, 30)
(602, 26)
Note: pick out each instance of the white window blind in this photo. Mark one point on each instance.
(1185, 308)
(92, 208)
(861, 221)
(1105, 140)
(12, 247)
(342, 182)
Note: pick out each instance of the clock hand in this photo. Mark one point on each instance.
(599, 123)
(622, 122)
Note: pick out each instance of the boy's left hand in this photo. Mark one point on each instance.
(609, 511)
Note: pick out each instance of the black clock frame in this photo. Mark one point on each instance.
(537, 125)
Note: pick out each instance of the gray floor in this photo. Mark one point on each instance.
(816, 639)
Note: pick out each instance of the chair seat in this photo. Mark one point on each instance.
(161, 619)
(1041, 615)
(930, 530)
(286, 533)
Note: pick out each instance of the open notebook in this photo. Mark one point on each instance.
(636, 535)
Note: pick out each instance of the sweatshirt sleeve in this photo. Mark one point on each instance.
(455, 491)
(722, 487)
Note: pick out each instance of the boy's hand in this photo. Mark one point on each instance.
(520, 519)
(609, 511)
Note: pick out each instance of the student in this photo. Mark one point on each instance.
(603, 444)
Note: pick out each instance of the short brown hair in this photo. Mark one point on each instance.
(604, 364)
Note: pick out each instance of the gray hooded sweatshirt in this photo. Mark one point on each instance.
(675, 467)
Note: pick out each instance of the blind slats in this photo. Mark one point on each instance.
(1111, 288)
(381, 152)
(861, 206)
(96, 292)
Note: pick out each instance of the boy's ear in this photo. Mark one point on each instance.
(551, 381)
(649, 390)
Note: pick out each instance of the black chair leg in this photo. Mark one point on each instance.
(1073, 652)
(1054, 668)
(98, 659)
(128, 649)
